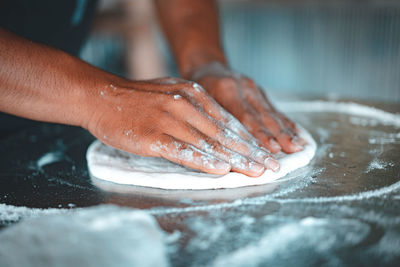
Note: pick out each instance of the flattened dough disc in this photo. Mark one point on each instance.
(110, 164)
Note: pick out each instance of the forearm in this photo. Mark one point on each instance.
(193, 33)
(46, 84)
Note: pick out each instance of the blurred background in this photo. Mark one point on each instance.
(334, 49)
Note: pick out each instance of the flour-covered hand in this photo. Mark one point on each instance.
(241, 97)
(177, 120)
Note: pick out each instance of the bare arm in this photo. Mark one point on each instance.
(193, 32)
(170, 118)
(42, 83)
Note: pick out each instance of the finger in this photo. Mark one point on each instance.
(288, 143)
(211, 128)
(239, 163)
(200, 97)
(287, 123)
(258, 99)
(252, 122)
(236, 126)
(268, 140)
(286, 137)
(218, 132)
(258, 130)
(300, 141)
(296, 139)
(276, 122)
(188, 155)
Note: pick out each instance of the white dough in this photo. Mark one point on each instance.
(107, 163)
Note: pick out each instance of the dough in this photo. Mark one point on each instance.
(110, 164)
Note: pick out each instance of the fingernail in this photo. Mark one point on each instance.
(274, 145)
(260, 155)
(272, 164)
(255, 167)
(298, 141)
(297, 147)
(221, 165)
(302, 141)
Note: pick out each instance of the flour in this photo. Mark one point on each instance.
(49, 158)
(293, 237)
(379, 116)
(99, 236)
(198, 88)
(382, 118)
(382, 138)
(9, 213)
(120, 167)
(377, 164)
(303, 180)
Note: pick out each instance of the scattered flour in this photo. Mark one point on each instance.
(206, 234)
(128, 132)
(9, 213)
(363, 121)
(49, 158)
(114, 88)
(318, 235)
(323, 134)
(198, 87)
(110, 229)
(381, 117)
(388, 247)
(382, 138)
(378, 164)
(99, 236)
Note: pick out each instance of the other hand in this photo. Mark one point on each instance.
(241, 97)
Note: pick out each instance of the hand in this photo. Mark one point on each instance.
(241, 97)
(177, 120)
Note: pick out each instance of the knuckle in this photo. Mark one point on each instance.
(174, 100)
(226, 82)
(213, 144)
(247, 118)
(149, 132)
(210, 146)
(191, 89)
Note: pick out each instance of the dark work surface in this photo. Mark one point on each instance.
(343, 209)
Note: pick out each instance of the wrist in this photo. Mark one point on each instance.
(212, 68)
(89, 85)
(198, 61)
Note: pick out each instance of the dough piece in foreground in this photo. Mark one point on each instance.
(110, 164)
